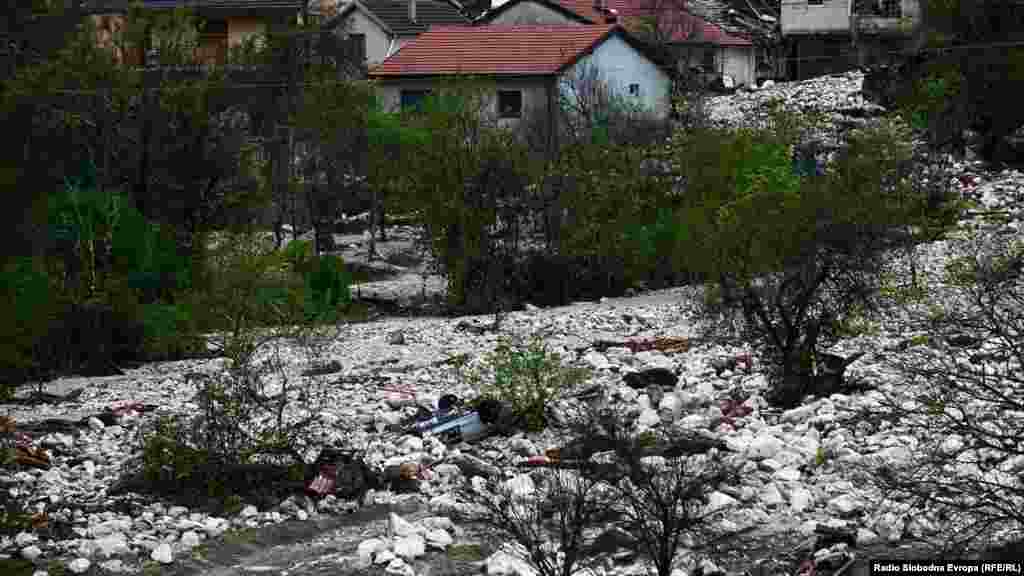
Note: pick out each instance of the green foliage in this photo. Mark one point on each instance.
(527, 376)
(327, 288)
(299, 255)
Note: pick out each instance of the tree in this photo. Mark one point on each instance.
(965, 67)
(960, 399)
(794, 256)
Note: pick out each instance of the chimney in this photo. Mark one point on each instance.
(412, 10)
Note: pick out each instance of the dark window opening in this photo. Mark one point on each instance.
(215, 27)
(634, 89)
(815, 2)
(413, 100)
(358, 44)
(510, 104)
(709, 60)
(878, 8)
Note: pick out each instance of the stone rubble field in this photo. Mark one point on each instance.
(784, 487)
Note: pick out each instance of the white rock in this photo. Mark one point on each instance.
(25, 538)
(786, 474)
(30, 553)
(520, 486)
(162, 553)
(523, 447)
(410, 444)
(436, 523)
(597, 360)
(398, 567)
(844, 505)
(439, 538)
(215, 526)
(410, 547)
(384, 556)
(79, 565)
(763, 446)
(648, 418)
(798, 414)
(866, 537)
(399, 527)
(670, 407)
(176, 511)
(718, 500)
(504, 563)
(249, 511)
(800, 499)
(770, 495)
(96, 424)
(368, 548)
(111, 545)
(190, 539)
(114, 566)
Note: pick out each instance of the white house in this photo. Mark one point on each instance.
(695, 41)
(387, 25)
(531, 66)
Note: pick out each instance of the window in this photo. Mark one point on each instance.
(413, 99)
(709, 60)
(510, 104)
(815, 2)
(358, 44)
(634, 89)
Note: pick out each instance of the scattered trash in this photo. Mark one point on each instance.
(341, 473)
(666, 345)
(459, 428)
(403, 478)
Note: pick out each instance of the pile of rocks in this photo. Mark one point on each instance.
(838, 96)
(799, 466)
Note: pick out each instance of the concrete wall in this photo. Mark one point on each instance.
(620, 65)
(801, 17)
(531, 13)
(740, 63)
(534, 95)
(377, 41)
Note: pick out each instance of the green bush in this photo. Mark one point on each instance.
(30, 308)
(299, 255)
(327, 288)
(169, 331)
(527, 376)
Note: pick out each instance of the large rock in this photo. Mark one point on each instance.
(162, 554)
(764, 446)
(505, 563)
(367, 549)
(400, 527)
(111, 545)
(410, 547)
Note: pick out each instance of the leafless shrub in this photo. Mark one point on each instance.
(962, 403)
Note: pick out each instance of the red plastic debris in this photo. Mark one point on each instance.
(325, 481)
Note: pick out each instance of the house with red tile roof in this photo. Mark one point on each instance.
(532, 67)
(695, 41)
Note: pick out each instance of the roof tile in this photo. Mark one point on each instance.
(493, 50)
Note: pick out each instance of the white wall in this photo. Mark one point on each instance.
(740, 63)
(800, 17)
(531, 13)
(376, 39)
(534, 95)
(620, 65)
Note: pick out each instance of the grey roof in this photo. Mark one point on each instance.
(738, 17)
(232, 5)
(395, 14)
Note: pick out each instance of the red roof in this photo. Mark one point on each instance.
(494, 50)
(677, 24)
